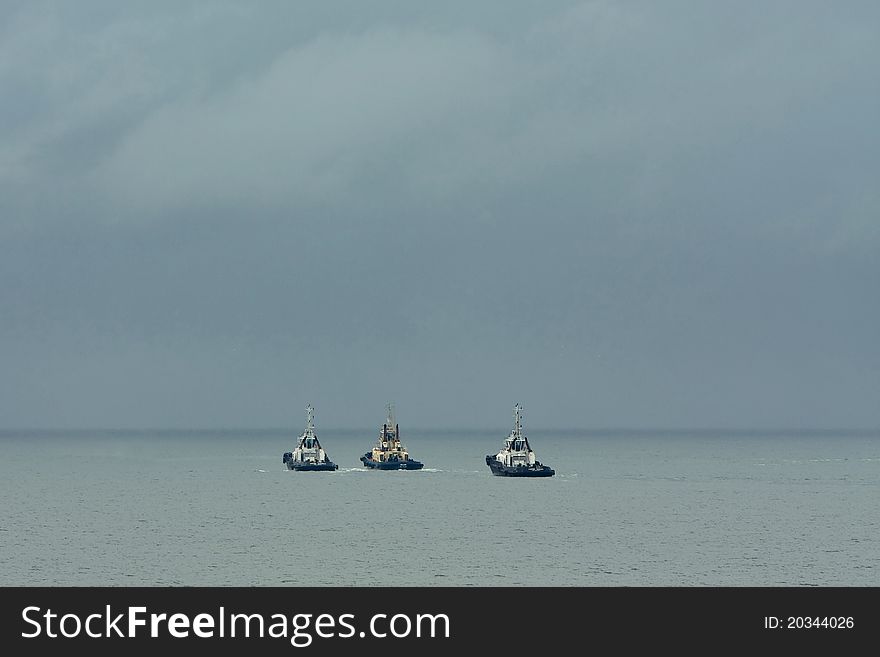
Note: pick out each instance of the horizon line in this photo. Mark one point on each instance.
(594, 429)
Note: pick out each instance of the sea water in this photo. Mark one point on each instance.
(626, 508)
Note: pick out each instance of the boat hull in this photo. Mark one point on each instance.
(307, 466)
(329, 466)
(410, 464)
(502, 470)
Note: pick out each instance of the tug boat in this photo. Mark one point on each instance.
(389, 453)
(309, 456)
(516, 458)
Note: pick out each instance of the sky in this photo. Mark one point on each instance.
(618, 214)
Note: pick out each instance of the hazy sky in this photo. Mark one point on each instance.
(619, 214)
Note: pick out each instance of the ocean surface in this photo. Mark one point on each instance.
(696, 508)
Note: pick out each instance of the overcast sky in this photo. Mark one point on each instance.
(619, 214)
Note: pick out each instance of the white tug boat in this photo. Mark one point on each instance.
(516, 458)
(389, 453)
(309, 456)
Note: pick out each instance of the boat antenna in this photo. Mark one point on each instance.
(390, 420)
(310, 419)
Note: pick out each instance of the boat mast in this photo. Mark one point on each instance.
(517, 422)
(390, 420)
(310, 421)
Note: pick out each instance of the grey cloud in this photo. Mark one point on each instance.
(617, 213)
